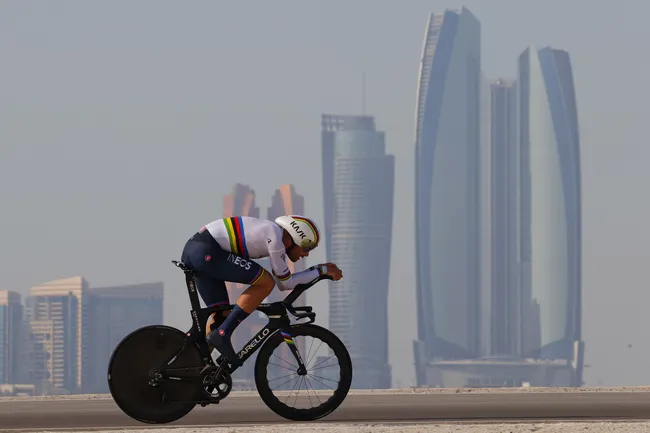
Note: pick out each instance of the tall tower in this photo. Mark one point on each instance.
(10, 336)
(116, 312)
(550, 208)
(447, 191)
(58, 317)
(240, 202)
(358, 183)
(505, 313)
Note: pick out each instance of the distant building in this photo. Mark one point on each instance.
(447, 191)
(550, 208)
(116, 312)
(358, 185)
(57, 319)
(534, 298)
(505, 314)
(11, 325)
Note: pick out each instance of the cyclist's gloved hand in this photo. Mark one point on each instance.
(332, 270)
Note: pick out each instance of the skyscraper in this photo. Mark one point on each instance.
(505, 313)
(534, 294)
(358, 183)
(551, 221)
(241, 201)
(10, 336)
(115, 313)
(447, 199)
(57, 314)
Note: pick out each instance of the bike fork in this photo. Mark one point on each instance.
(302, 370)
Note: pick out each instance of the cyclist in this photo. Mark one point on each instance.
(222, 251)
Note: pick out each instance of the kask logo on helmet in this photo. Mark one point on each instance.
(298, 230)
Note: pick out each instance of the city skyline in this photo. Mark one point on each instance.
(64, 331)
(47, 163)
(498, 264)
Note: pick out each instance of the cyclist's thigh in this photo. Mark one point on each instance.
(213, 262)
(226, 266)
(198, 256)
(212, 290)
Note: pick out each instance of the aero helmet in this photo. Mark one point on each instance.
(303, 231)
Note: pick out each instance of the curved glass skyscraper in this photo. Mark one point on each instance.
(447, 189)
(550, 205)
(358, 182)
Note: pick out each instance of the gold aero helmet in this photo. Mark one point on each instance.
(302, 230)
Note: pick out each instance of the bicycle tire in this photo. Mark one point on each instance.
(291, 413)
(143, 350)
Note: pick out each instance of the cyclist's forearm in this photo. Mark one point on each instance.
(302, 277)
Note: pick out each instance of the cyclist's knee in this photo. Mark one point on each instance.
(265, 283)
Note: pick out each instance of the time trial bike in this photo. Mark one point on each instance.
(158, 374)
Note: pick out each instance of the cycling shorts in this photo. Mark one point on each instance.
(213, 266)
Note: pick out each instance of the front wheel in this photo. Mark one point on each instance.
(136, 359)
(326, 380)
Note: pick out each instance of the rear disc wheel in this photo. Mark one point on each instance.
(131, 370)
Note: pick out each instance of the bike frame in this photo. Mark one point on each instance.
(275, 311)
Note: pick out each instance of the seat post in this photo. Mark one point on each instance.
(191, 289)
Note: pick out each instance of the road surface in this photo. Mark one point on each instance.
(101, 412)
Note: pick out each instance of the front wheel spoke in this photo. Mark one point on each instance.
(315, 352)
(294, 387)
(309, 395)
(332, 389)
(323, 361)
(325, 378)
(309, 351)
(315, 394)
(282, 366)
(320, 368)
(284, 360)
(282, 377)
(293, 378)
(302, 379)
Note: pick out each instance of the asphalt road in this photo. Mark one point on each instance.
(103, 413)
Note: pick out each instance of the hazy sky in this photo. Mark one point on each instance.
(122, 125)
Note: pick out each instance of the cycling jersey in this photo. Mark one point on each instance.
(254, 238)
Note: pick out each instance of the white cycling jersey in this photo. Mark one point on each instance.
(256, 238)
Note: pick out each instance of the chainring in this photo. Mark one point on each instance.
(217, 387)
